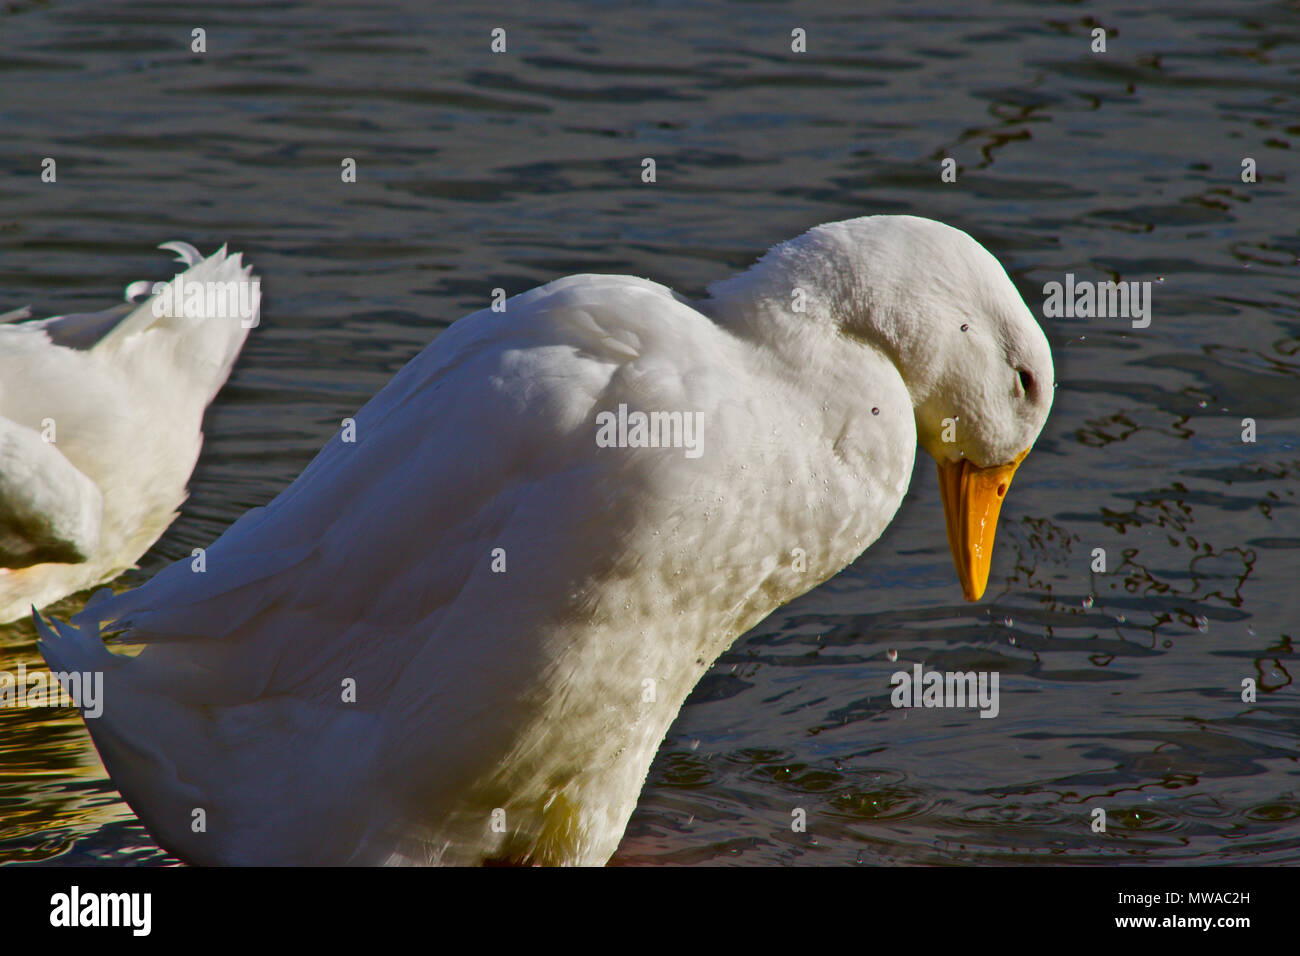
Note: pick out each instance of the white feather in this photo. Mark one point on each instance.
(100, 418)
(534, 696)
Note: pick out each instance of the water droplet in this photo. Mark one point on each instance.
(892, 654)
(875, 411)
(1087, 602)
(1202, 624)
(1201, 404)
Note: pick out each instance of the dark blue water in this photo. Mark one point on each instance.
(1120, 690)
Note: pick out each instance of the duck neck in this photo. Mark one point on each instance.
(808, 300)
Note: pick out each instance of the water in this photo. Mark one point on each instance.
(478, 171)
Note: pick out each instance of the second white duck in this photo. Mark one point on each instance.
(101, 420)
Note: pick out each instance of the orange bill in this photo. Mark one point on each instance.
(972, 498)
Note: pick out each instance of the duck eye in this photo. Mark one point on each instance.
(1026, 380)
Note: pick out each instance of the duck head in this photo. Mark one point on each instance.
(974, 359)
(941, 308)
(979, 370)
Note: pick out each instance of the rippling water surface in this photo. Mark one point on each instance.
(1120, 690)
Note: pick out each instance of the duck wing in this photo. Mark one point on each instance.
(49, 511)
(376, 566)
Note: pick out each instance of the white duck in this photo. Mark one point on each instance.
(461, 636)
(100, 425)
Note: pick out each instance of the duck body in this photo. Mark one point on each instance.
(462, 633)
(100, 427)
